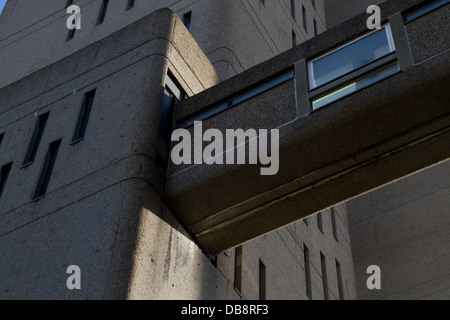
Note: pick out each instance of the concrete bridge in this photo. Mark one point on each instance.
(356, 109)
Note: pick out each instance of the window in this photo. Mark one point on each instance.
(69, 3)
(263, 2)
(83, 117)
(187, 20)
(130, 4)
(315, 27)
(356, 85)
(35, 139)
(304, 17)
(102, 15)
(172, 95)
(262, 281)
(307, 271)
(4, 173)
(294, 39)
(230, 102)
(305, 220)
(44, 178)
(323, 264)
(313, 2)
(429, 6)
(293, 9)
(238, 270)
(71, 34)
(333, 223)
(319, 221)
(350, 57)
(1, 138)
(339, 279)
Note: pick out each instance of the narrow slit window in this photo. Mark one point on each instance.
(1, 138)
(238, 270)
(315, 27)
(307, 271)
(333, 223)
(319, 221)
(293, 9)
(350, 57)
(83, 118)
(69, 3)
(262, 281)
(130, 4)
(4, 173)
(172, 95)
(47, 169)
(36, 139)
(103, 9)
(304, 17)
(323, 264)
(339, 279)
(71, 34)
(187, 20)
(294, 39)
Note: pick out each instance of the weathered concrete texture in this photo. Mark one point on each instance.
(426, 34)
(234, 35)
(95, 202)
(371, 138)
(405, 231)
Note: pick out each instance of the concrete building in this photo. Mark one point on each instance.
(83, 151)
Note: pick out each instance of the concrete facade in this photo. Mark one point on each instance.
(103, 209)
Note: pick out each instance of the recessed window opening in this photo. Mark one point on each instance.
(173, 93)
(350, 57)
(307, 271)
(4, 173)
(46, 172)
(424, 9)
(103, 9)
(238, 270)
(262, 281)
(187, 20)
(83, 117)
(36, 139)
(130, 4)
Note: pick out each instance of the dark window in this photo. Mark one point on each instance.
(313, 3)
(319, 221)
(293, 8)
(1, 138)
(69, 3)
(315, 27)
(238, 270)
(71, 34)
(307, 272)
(172, 95)
(4, 173)
(263, 2)
(423, 8)
(305, 22)
(49, 163)
(130, 4)
(262, 281)
(83, 117)
(339, 279)
(103, 10)
(323, 263)
(187, 20)
(36, 139)
(306, 221)
(294, 39)
(333, 223)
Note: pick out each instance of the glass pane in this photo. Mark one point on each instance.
(425, 9)
(355, 86)
(351, 57)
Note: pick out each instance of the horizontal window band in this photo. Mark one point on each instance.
(313, 94)
(237, 99)
(357, 85)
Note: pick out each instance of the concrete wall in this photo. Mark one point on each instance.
(338, 11)
(103, 209)
(235, 35)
